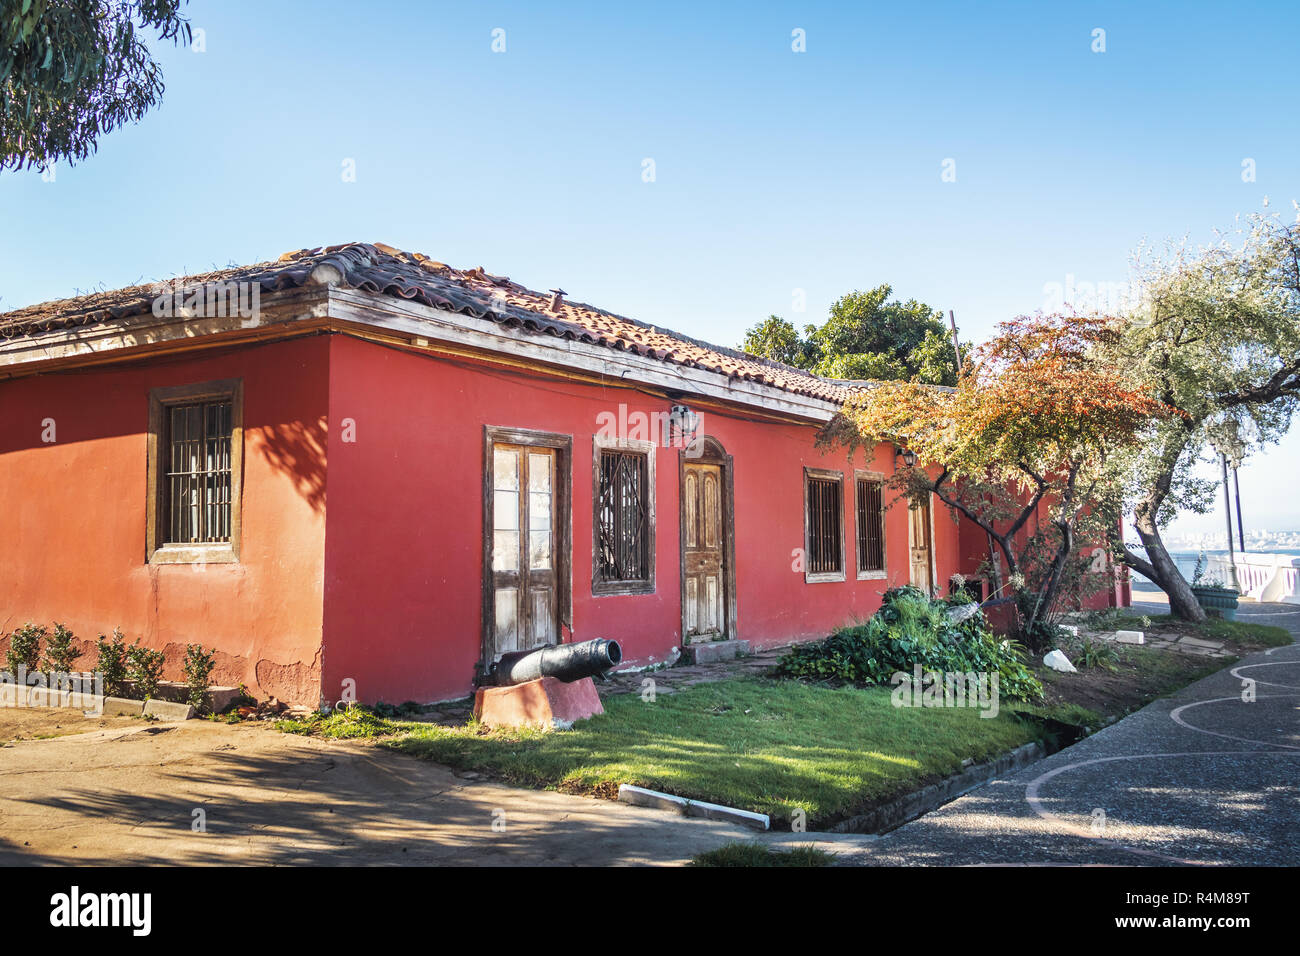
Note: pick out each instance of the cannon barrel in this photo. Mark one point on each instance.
(564, 662)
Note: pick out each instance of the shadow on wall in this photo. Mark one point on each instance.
(298, 450)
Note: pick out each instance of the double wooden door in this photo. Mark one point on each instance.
(524, 602)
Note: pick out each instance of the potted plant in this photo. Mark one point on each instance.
(1212, 594)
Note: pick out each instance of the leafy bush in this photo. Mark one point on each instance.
(911, 629)
(198, 670)
(25, 648)
(144, 668)
(60, 655)
(112, 663)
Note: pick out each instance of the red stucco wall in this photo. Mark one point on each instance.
(386, 592)
(404, 541)
(72, 516)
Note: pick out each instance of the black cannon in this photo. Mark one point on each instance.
(564, 662)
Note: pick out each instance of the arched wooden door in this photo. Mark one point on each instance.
(707, 544)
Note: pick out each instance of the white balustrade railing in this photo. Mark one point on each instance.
(1261, 577)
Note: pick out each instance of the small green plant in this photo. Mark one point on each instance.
(144, 669)
(112, 663)
(198, 671)
(25, 648)
(60, 654)
(1097, 653)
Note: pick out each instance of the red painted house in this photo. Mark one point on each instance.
(358, 464)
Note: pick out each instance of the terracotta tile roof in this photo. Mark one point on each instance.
(384, 270)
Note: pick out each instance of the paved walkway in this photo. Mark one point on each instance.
(131, 796)
(1199, 778)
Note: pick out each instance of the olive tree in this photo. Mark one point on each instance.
(1217, 338)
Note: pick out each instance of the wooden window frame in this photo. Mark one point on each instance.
(867, 575)
(599, 444)
(160, 400)
(563, 492)
(822, 577)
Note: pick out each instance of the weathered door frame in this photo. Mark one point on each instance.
(709, 451)
(911, 544)
(563, 446)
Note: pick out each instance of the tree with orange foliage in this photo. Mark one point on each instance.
(1037, 418)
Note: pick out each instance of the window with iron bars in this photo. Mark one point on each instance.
(824, 527)
(197, 484)
(623, 519)
(871, 525)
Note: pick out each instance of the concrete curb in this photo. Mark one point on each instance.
(18, 695)
(907, 808)
(641, 797)
(122, 707)
(167, 709)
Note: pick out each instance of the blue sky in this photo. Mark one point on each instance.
(775, 171)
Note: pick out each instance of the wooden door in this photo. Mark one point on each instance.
(920, 540)
(702, 562)
(524, 603)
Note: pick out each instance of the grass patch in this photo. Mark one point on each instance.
(1241, 635)
(1238, 633)
(755, 854)
(348, 724)
(762, 745)
(770, 746)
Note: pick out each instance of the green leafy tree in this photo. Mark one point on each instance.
(74, 69)
(1217, 337)
(866, 336)
(1028, 435)
(777, 339)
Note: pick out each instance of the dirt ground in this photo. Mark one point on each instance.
(204, 792)
(1139, 677)
(41, 723)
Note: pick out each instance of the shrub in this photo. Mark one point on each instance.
(198, 668)
(1043, 634)
(25, 648)
(1098, 653)
(112, 663)
(144, 668)
(60, 654)
(911, 629)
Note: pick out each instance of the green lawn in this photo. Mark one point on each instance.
(763, 745)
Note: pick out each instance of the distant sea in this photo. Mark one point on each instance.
(1186, 559)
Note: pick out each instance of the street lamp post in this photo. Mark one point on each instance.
(1236, 485)
(1227, 504)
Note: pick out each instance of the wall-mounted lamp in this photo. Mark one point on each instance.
(909, 457)
(684, 423)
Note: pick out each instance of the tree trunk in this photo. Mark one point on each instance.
(1047, 594)
(1162, 570)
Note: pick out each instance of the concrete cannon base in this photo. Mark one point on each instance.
(545, 702)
